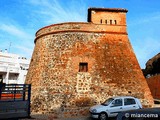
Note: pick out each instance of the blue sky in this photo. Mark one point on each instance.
(20, 19)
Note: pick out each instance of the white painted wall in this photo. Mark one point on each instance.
(13, 68)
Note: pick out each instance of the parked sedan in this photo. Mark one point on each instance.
(112, 106)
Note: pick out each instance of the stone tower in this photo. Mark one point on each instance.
(78, 64)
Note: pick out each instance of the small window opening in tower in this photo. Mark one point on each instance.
(115, 22)
(101, 21)
(106, 21)
(111, 22)
(83, 67)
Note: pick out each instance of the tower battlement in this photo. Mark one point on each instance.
(107, 16)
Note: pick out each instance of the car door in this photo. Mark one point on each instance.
(115, 107)
(130, 104)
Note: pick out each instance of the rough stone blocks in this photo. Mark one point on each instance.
(77, 65)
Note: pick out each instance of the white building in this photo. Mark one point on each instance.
(13, 68)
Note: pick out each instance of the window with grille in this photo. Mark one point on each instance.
(83, 67)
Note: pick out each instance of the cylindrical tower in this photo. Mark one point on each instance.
(76, 65)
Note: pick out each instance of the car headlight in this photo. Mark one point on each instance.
(94, 111)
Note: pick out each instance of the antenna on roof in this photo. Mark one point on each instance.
(9, 47)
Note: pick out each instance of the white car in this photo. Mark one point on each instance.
(112, 106)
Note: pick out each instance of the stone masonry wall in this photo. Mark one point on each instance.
(154, 85)
(81, 26)
(58, 86)
(60, 89)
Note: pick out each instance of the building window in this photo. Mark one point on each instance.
(111, 22)
(106, 21)
(101, 21)
(83, 67)
(115, 22)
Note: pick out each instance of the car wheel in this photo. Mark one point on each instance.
(103, 116)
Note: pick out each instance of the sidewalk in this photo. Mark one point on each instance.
(46, 117)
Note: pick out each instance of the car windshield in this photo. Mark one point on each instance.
(107, 102)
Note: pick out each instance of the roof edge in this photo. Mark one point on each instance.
(61, 24)
(109, 9)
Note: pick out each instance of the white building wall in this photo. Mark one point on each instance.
(13, 68)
